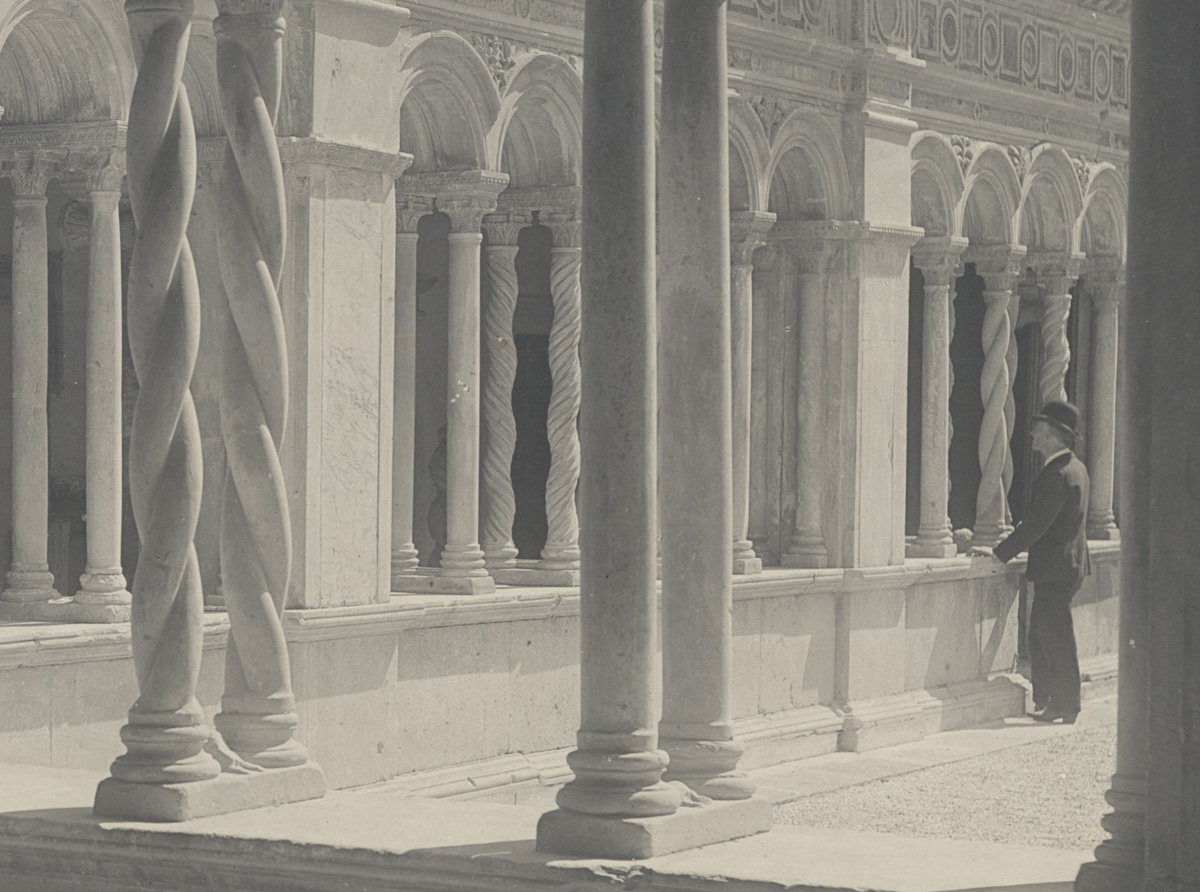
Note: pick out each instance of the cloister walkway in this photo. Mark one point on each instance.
(381, 837)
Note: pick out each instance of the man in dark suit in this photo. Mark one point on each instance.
(1054, 533)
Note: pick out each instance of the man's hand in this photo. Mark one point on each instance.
(981, 551)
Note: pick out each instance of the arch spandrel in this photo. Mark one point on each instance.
(1104, 220)
(537, 135)
(937, 185)
(806, 177)
(749, 155)
(65, 62)
(448, 103)
(991, 196)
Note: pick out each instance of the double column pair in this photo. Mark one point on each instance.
(465, 198)
(29, 586)
(643, 360)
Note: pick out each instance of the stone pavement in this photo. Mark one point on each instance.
(375, 840)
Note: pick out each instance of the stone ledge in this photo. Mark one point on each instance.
(589, 836)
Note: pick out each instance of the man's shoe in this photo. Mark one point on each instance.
(1053, 715)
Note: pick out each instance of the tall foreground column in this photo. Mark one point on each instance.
(748, 231)
(103, 596)
(618, 765)
(409, 210)
(1106, 284)
(258, 709)
(695, 405)
(999, 267)
(1155, 822)
(166, 733)
(937, 258)
(29, 582)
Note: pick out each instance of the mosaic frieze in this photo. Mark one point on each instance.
(1007, 45)
(817, 16)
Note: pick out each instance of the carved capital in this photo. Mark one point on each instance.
(504, 227)
(94, 169)
(938, 258)
(565, 227)
(30, 172)
(410, 209)
(464, 196)
(466, 210)
(1056, 270)
(1104, 280)
(747, 231)
(998, 265)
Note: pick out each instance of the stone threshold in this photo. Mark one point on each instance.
(40, 643)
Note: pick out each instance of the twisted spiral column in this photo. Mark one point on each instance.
(499, 423)
(258, 713)
(1056, 274)
(747, 232)
(1010, 401)
(166, 732)
(29, 581)
(999, 269)
(1106, 284)
(562, 424)
(937, 260)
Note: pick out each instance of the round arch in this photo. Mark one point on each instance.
(1103, 226)
(991, 197)
(749, 153)
(65, 62)
(1052, 201)
(448, 103)
(937, 185)
(539, 129)
(806, 177)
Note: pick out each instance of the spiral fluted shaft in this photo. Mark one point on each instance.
(166, 728)
(994, 386)
(1057, 357)
(562, 425)
(257, 714)
(499, 424)
(1010, 405)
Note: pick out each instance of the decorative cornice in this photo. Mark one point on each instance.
(445, 183)
(50, 136)
(301, 150)
(554, 199)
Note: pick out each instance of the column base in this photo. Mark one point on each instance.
(534, 572)
(934, 549)
(747, 566)
(124, 800)
(695, 824)
(431, 581)
(29, 583)
(1106, 533)
(808, 560)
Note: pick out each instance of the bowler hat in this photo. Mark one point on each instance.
(1060, 415)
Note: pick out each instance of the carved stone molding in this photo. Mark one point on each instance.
(747, 232)
(546, 199)
(67, 136)
(296, 150)
(503, 228)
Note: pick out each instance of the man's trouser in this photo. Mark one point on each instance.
(1052, 654)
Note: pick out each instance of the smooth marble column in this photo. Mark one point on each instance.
(1056, 273)
(1106, 284)
(748, 231)
(999, 267)
(29, 580)
(409, 209)
(561, 552)
(463, 559)
(618, 764)
(499, 423)
(937, 258)
(695, 405)
(807, 548)
(103, 595)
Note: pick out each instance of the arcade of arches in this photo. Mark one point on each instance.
(912, 274)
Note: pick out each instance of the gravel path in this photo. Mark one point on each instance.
(1049, 793)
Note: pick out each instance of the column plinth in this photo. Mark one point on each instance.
(937, 258)
(999, 267)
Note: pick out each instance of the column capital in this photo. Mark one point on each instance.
(938, 258)
(410, 208)
(31, 172)
(95, 169)
(1056, 270)
(565, 227)
(1104, 278)
(747, 231)
(464, 196)
(998, 265)
(815, 244)
(503, 227)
